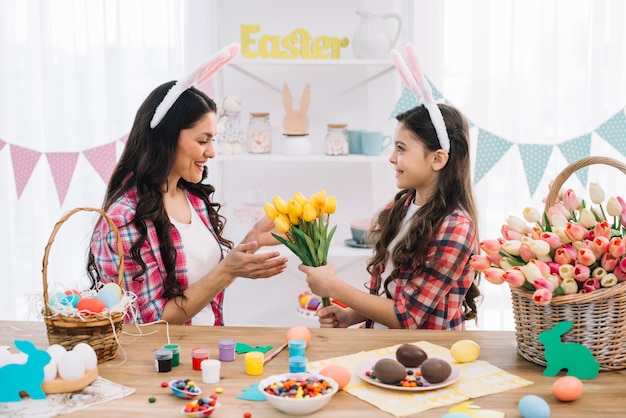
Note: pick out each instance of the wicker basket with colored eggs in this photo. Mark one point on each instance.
(75, 317)
(298, 393)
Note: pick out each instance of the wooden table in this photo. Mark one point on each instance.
(604, 396)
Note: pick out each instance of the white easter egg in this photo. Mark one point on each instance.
(57, 352)
(50, 371)
(71, 366)
(88, 354)
(115, 287)
(16, 358)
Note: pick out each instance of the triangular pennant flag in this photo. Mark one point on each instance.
(574, 150)
(102, 159)
(436, 94)
(123, 139)
(24, 161)
(62, 166)
(2, 144)
(614, 132)
(407, 101)
(489, 149)
(535, 158)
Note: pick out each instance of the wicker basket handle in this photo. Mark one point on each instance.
(56, 228)
(572, 168)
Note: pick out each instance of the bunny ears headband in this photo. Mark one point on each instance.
(210, 67)
(416, 82)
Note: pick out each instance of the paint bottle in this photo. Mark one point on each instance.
(198, 354)
(254, 363)
(163, 360)
(297, 364)
(296, 347)
(175, 349)
(227, 350)
(210, 370)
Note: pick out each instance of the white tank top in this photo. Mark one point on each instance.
(202, 253)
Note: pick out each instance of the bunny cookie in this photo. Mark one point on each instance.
(296, 122)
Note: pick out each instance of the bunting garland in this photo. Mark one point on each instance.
(491, 148)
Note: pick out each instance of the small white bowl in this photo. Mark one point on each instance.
(297, 406)
(181, 393)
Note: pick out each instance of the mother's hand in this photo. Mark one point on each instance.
(243, 262)
(262, 232)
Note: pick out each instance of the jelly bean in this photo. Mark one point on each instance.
(164, 384)
(152, 399)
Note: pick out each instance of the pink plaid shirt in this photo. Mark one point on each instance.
(148, 287)
(430, 296)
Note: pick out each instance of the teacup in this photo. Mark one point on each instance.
(354, 141)
(374, 142)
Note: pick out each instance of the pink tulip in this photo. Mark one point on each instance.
(620, 274)
(515, 277)
(494, 275)
(480, 262)
(544, 268)
(581, 272)
(622, 203)
(532, 270)
(590, 285)
(570, 200)
(554, 267)
(552, 239)
(560, 208)
(599, 246)
(622, 263)
(542, 283)
(542, 297)
(509, 233)
(490, 246)
(536, 232)
(602, 229)
(617, 248)
(608, 262)
(576, 232)
(526, 253)
(586, 257)
(495, 258)
(563, 256)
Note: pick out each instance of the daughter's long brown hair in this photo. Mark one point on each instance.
(454, 190)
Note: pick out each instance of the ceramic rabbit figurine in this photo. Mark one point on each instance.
(296, 122)
(574, 357)
(229, 129)
(28, 377)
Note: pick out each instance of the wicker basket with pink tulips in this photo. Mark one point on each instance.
(567, 264)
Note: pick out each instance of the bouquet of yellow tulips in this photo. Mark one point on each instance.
(305, 224)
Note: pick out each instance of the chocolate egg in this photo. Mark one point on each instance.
(410, 355)
(435, 370)
(389, 371)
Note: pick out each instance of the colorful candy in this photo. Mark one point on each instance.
(201, 404)
(186, 385)
(299, 388)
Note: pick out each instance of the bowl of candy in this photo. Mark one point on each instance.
(202, 407)
(185, 388)
(298, 393)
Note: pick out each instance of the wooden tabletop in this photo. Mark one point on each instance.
(603, 396)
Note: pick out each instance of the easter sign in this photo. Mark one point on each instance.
(298, 44)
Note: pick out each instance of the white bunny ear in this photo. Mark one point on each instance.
(414, 79)
(206, 70)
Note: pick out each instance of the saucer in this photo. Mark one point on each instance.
(352, 243)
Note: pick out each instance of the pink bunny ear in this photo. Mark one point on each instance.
(414, 79)
(210, 67)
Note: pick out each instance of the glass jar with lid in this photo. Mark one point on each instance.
(259, 134)
(336, 139)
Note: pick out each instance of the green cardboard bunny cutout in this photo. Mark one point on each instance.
(576, 358)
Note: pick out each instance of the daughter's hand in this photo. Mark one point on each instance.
(320, 279)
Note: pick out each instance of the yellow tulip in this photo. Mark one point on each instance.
(293, 220)
(294, 209)
(282, 223)
(309, 214)
(331, 205)
(270, 211)
(319, 199)
(280, 205)
(299, 197)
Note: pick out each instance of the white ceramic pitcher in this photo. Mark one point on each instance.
(372, 38)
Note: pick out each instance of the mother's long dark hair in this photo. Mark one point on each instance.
(454, 189)
(145, 163)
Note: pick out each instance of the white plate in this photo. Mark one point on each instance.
(368, 365)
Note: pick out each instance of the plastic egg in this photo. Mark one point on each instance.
(114, 287)
(339, 374)
(50, 371)
(88, 354)
(93, 305)
(109, 297)
(532, 406)
(567, 388)
(57, 352)
(71, 366)
(465, 351)
(70, 300)
(72, 292)
(298, 333)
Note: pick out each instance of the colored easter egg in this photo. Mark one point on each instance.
(533, 406)
(114, 287)
(108, 296)
(567, 388)
(339, 374)
(93, 305)
(88, 354)
(71, 366)
(465, 351)
(71, 300)
(72, 292)
(298, 333)
(304, 299)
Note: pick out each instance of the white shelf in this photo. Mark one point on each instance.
(314, 158)
(271, 61)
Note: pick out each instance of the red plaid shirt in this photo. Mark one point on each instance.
(431, 296)
(148, 287)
